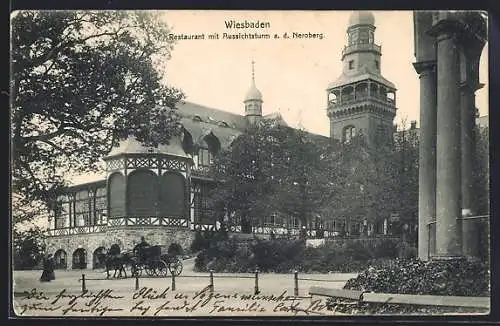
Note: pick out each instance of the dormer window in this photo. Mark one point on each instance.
(351, 64)
(197, 118)
(223, 124)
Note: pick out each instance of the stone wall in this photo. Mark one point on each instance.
(125, 237)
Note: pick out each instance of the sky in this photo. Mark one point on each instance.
(292, 74)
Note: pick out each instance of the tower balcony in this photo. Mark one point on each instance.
(361, 47)
(351, 99)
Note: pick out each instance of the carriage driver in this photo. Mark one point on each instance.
(140, 248)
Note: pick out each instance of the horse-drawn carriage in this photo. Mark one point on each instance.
(151, 261)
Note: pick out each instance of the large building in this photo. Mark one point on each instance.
(160, 192)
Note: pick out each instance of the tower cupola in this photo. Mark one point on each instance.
(253, 100)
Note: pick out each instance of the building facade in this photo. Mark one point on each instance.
(160, 193)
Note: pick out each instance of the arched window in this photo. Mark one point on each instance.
(348, 134)
(142, 193)
(80, 259)
(332, 97)
(172, 195)
(391, 97)
(209, 147)
(116, 195)
(187, 142)
(61, 260)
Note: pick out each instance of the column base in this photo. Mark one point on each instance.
(447, 258)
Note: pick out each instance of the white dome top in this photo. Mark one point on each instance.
(361, 18)
(253, 93)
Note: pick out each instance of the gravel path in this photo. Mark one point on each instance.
(155, 297)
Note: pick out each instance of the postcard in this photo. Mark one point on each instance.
(196, 163)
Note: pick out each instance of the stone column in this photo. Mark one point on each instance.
(468, 117)
(448, 185)
(427, 160)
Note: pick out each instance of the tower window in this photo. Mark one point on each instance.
(377, 65)
(351, 64)
(348, 134)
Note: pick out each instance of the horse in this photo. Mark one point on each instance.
(117, 262)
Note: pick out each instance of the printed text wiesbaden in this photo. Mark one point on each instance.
(246, 24)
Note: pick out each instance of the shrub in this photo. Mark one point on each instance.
(357, 251)
(200, 242)
(386, 248)
(457, 277)
(284, 256)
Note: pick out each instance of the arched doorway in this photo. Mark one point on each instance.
(98, 258)
(60, 259)
(80, 259)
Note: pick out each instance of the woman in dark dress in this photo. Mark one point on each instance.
(48, 269)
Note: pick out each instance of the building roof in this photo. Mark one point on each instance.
(199, 121)
(211, 115)
(133, 146)
(253, 94)
(364, 74)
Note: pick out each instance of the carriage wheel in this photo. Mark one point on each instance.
(150, 269)
(175, 267)
(161, 268)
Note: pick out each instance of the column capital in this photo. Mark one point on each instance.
(471, 86)
(423, 67)
(446, 29)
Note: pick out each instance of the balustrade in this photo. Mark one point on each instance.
(362, 96)
(179, 222)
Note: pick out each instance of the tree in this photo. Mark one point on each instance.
(245, 173)
(273, 168)
(309, 177)
(382, 179)
(81, 81)
(28, 248)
